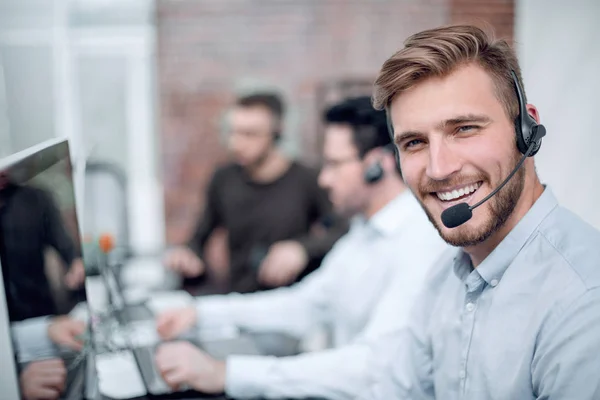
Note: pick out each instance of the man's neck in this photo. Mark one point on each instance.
(479, 252)
(274, 166)
(383, 195)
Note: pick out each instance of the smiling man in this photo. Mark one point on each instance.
(514, 313)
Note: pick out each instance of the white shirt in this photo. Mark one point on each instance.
(363, 290)
(30, 339)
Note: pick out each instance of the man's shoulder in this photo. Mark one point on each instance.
(226, 169)
(31, 193)
(574, 244)
(305, 171)
(227, 173)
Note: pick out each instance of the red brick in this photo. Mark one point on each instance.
(207, 48)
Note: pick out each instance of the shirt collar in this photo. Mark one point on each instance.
(493, 267)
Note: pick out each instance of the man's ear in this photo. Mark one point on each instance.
(533, 111)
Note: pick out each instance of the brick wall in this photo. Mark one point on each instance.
(209, 50)
(499, 14)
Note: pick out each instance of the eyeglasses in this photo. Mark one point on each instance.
(336, 164)
(248, 134)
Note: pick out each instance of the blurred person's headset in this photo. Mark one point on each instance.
(277, 135)
(374, 172)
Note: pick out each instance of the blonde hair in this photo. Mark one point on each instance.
(437, 52)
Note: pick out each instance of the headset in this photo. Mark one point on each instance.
(529, 136)
(527, 130)
(374, 173)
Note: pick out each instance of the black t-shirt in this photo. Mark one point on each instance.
(30, 222)
(256, 215)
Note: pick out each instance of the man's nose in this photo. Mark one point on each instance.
(443, 162)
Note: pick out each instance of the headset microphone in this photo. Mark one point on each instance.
(462, 212)
(529, 139)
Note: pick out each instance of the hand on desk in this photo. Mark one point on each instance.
(184, 261)
(172, 323)
(181, 363)
(283, 263)
(64, 331)
(43, 379)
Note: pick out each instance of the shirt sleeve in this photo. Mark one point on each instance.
(289, 310)
(331, 374)
(211, 217)
(566, 362)
(30, 338)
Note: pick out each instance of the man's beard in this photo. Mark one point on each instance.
(501, 207)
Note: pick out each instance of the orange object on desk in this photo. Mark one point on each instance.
(106, 243)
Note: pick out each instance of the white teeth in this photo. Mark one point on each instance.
(455, 194)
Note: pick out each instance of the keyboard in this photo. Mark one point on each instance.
(138, 333)
(219, 349)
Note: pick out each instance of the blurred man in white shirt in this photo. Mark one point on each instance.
(362, 292)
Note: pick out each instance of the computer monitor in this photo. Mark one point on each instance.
(42, 270)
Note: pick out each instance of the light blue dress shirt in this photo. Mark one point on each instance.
(524, 325)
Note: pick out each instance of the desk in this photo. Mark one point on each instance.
(159, 302)
(236, 345)
(124, 357)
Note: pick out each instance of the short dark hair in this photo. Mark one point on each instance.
(369, 126)
(270, 100)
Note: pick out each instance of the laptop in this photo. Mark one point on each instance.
(138, 323)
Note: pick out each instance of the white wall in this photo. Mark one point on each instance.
(559, 49)
(83, 69)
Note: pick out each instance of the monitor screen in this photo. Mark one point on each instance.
(43, 272)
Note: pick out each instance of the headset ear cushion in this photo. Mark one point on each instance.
(530, 131)
(374, 173)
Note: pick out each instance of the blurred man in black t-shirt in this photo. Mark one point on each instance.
(266, 202)
(30, 222)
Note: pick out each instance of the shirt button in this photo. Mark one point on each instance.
(470, 307)
(462, 374)
(494, 282)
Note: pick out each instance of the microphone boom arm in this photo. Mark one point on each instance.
(514, 171)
